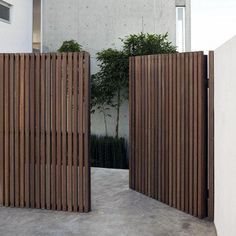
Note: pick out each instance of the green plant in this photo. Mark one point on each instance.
(147, 44)
(114, 68)
(101, 98)
(70, 46)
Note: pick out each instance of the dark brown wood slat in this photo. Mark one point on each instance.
(159, 128)
(48, 131)
(182, 131)
(75, 132)
(178, 145)
(7, 128)
(27, 130)
(59, 130)
(163, 156)
(187, 128)
(202, 121)
(87, 200)
(170, 127)
(53, 130)
(156, 125)
(12, 164)
(2, 123)
(69, 123)
(191, 132)
(142, 160)
(37, 131)
(43, 129)
(211, 137)
(166, 86)
(81, 150)
(195, 133)
(32, 131)
(131, 115)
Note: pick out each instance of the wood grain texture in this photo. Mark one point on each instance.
(45, 131)
(168, 122)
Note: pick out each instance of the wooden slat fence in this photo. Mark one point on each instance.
(44, 131)
(168, 129)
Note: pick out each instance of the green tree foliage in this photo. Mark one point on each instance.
(70, 46)
(147, 44)
(114, 67)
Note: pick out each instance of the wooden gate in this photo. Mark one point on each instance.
(44, 131)
(168, 129)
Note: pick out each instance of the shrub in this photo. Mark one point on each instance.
(108, 152)
(70, 46)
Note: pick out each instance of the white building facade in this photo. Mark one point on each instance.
(16, 17)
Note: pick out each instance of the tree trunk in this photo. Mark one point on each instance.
(105, 122)
(118, 113)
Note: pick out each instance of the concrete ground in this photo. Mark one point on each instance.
(116, 211)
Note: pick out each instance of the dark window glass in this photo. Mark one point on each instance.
(4, 13)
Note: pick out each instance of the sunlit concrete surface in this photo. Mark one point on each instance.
(116, 210)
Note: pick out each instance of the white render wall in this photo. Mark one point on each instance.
(17, 36)
(225, 139)
(98, 24)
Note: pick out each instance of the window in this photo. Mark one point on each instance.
(180, 28)
(5, 12)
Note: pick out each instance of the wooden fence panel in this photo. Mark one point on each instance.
(45, 131)
(168, 129)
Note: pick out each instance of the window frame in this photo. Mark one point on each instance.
(9, 6)
(183, 46)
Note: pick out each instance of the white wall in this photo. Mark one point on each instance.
(225, 139)
(17, 36)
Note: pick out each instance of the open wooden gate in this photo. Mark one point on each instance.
(169, 129)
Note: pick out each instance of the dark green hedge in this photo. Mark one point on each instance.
(109, 152)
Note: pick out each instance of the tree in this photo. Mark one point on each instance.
(70, 46)
(147, 44)
(114, 66)
(101, 98)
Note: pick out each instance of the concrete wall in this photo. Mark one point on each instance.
(17, 36)
(99, 24)
(225, 141)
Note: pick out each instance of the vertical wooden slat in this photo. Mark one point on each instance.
(211, 137)
(42, 138)
(48, 132)
(7, 129)
(75, 132)
(64, 131)
(12, 164)
(37, 131)
(187, 129)
(86, 133)
(2, 123)
(81, 144)
(166, 86)
(53, 131)
(32, 130)
(159, 127)
(69, 123)
(195, 135)
(27, 130)
(191, 132)
(182, 131)
(202, 136)
(170, 127)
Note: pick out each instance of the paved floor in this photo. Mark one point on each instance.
(117, 211)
